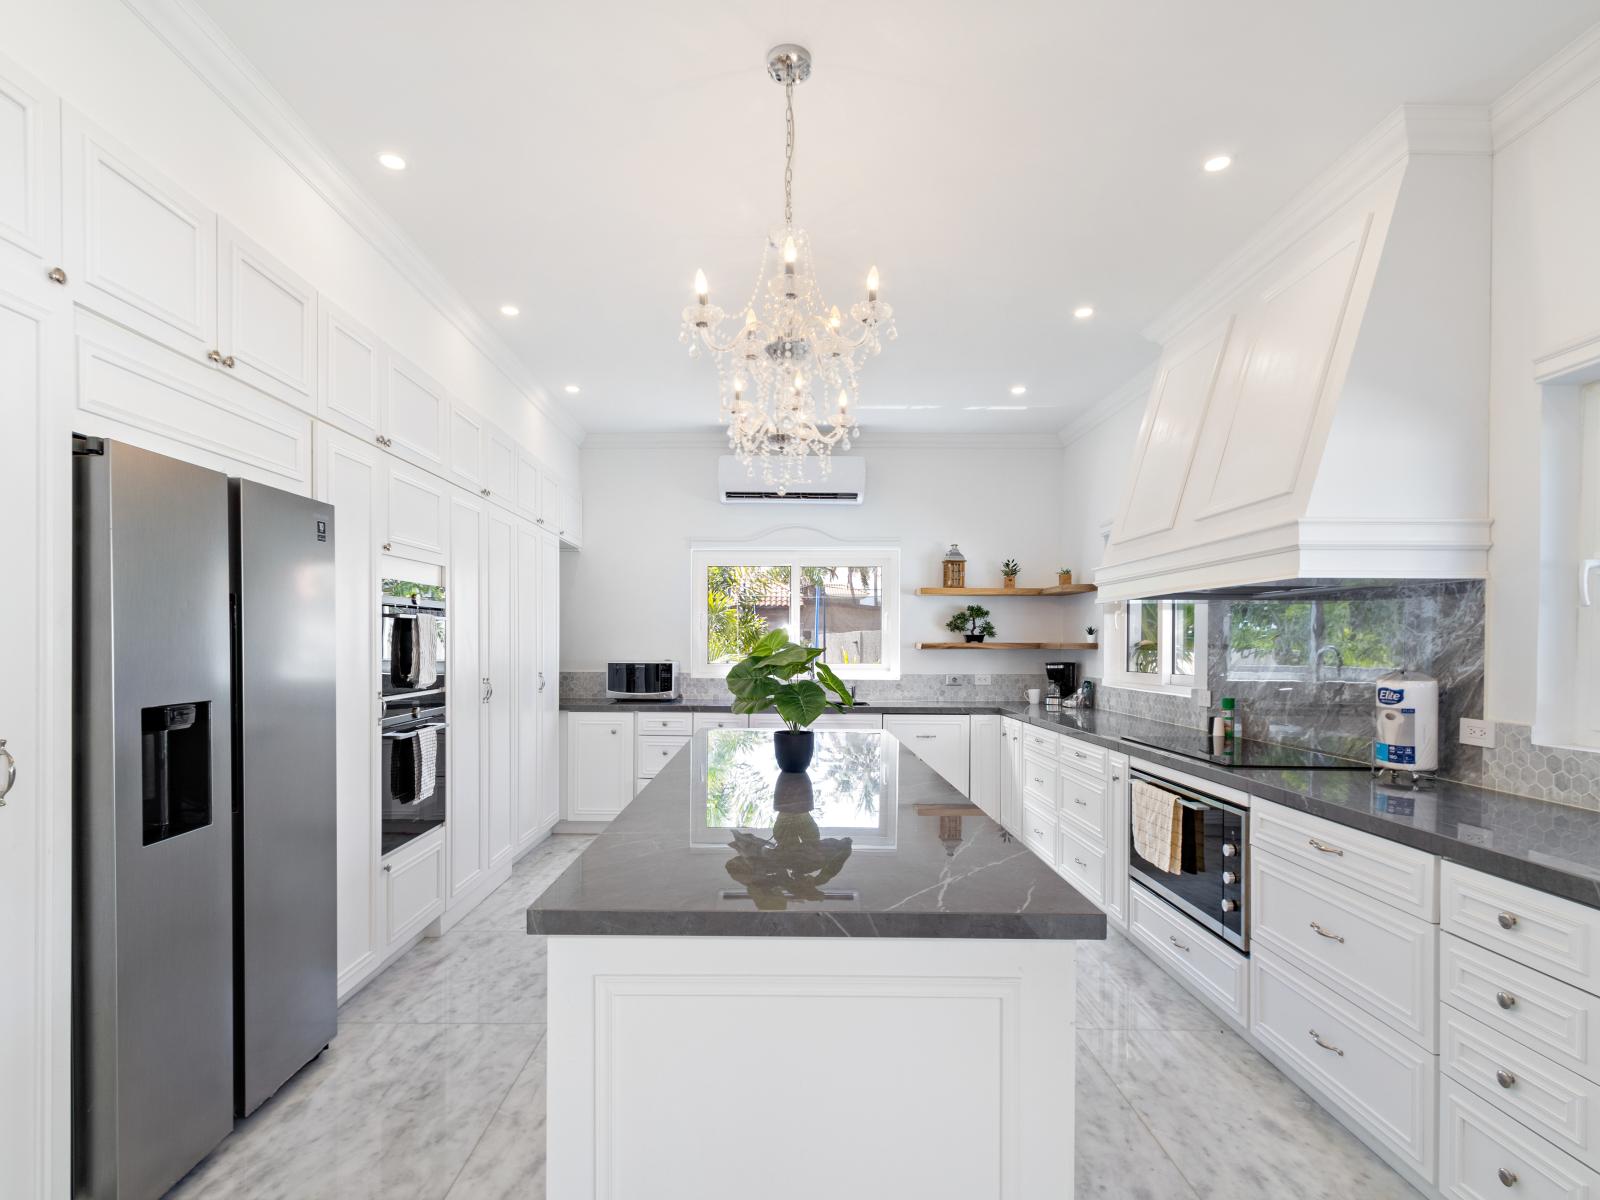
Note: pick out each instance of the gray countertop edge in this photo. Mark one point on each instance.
(1257, 782)
(1017, 927)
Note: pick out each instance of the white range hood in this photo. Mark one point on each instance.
(1320, 411)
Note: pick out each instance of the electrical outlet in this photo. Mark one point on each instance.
(983, 680)
(1474, 835)
(952, 681)
(1477, 733)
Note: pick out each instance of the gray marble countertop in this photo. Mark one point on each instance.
(1552, 847)
(871, 842)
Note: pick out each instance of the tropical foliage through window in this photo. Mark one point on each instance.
(837, 608)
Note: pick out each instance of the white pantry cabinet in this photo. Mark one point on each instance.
(500, 467)
(1011, 774)
(416, 416)
(30, 173)
(941, 740)
(418, 516)
(599, 765)
(500, 609)
(354, 373)
(466, 821)
(569, 524)
(468, 450)
(538, 716)
(266, 321)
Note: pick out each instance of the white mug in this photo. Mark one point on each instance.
(1034, 694)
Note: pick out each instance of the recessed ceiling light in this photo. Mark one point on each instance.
(392, 160)
(1018, 389)
(1083, 312)
(509, 310)
(572, 389)
(1219, 162)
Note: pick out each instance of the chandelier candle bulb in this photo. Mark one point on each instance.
(872, 285)
(701, 288)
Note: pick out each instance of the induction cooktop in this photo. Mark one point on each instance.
(1241, 753)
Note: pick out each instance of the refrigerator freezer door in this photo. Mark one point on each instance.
(284, 799)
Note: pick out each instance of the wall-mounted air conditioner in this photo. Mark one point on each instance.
(845, 483)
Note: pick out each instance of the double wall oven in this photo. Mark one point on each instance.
(1212, 879)
(414, 724)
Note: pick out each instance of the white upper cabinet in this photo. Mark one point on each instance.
(30, 172)
(419, 514)
(266, 320)
(467, 439)
(549, 500)
(570, 522)
(354, 372)
(137, 249)
(417, 420)
(500, 467)
(530, 488)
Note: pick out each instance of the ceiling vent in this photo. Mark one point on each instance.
(846, 483)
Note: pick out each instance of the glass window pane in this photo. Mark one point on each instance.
(742, 604)
(1181, 638)
(1358, 640)
(1144, 632)
(1269, 639)
(841, 610)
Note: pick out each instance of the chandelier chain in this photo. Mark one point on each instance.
(788, 154)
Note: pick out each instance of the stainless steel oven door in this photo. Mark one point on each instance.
(1212, 883)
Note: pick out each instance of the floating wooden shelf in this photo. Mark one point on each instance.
(1008, 645)
(1072, 589)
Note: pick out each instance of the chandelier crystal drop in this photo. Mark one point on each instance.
(788, 364)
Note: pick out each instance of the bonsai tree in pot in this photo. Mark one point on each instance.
(1010, 570)
(793, 680)
(972, 622)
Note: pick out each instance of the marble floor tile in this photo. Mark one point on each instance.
(1118, 1158)
(507, 907)
(1120, 988)
(508, 1161)
(469, 975)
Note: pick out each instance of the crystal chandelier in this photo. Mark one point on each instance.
(790, 354)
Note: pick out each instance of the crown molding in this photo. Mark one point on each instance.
(714, 440)
(1134, 390)
(1411, 129)
(206, 51)
(1549, 87)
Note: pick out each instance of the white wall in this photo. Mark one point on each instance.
(626, 595)
(107, 64)
(1546, 295)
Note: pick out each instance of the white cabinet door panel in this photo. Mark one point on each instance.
(983, 787)
(467, 448)
(266, 320)
(466, 825)
(529, 488)
(600, 778)
(528, 810)
(570, 523)
(499, 607)
(550, 678)
(549, 500)
(417, 420)
(414, 885)
(418, 514)
(138, 249)
(1482, 1155)
(354, 374)
(500, 467)
(943, 742)
(1557, 936)
(30, 172)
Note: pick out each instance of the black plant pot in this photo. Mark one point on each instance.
(975, 637)
(793, 749)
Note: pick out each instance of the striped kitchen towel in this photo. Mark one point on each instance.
(1157, 828)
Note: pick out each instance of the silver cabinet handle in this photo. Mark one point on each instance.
(11, 773)
(1317, 1038)
(227, 361)
(1504, 1078)
(216, 357)
(1177, 943)
(388, 547)
(1080, 802)
(1321, 932)
(1507, 1176)
(488, 689)
(1507, 920)
(1504, 999)
(387, 867)
(1584, 568)
(1080, 862)
(56, 275)
(1079, 754)
(926, 737)
(1324, 847)
(483, 491)
(541, 681)
(538, 520)
(613, 733)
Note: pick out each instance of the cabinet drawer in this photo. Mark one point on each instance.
(656, 752)
(1370, 954)
(674, 722)
(1552, 1101)
(720, 721)
(1039, 832)
(829, 720)
(1385, 1082)
(1541, 1013)
(1398, 875)
(1212, 968)
(1083, 756)
(1083, 807)
(1040, 742)
(940, 741)
(413, 883)
(1039, 782)
(1483, 1154)
(1545, 932)
(1083, 866)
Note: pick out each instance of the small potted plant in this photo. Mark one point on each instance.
(1091, 631)
(790, 678)
(1063, 576)
(1010, 571)
(972, 622)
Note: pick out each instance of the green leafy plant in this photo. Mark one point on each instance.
(973, 621)
(1010, 569)
(787, 677)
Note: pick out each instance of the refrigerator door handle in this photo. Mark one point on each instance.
(11, 773)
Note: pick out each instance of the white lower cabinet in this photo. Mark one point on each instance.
(720, 721)
(1485, 1154)
(943, 741)
(1011, 774)
(599, 765)
(1383, 1081)
(1211, 968)
(414, 884)
(1082, 864)
(653, 753)
(1115, 901)
(500, 673)
(466, 817)
(538, 752)
(831, 720)
(983, 787)
(1039, 831)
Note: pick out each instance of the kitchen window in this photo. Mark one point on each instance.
(1157, 645)
(1314, 641)
(845, 600)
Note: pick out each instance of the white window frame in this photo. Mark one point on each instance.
(1114, 652)
(885, 558)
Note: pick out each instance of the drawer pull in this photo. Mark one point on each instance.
(1324, 847)
(1079, 754)
(1321, 932)
(1177, 943)
(1507, 920)
(1504, 999)
(1507, 1176)
(1080, 802)
(1317, 1038)
(1080, 862)
(1039, 781)
(1504, 1078)
(926, 737)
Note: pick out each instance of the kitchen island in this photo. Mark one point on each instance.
(848, 983)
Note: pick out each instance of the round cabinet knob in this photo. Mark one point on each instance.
(1504, 1078)
(214, 356)
(1229, 849)
(1229, 905)
(1507, 920)
(56, 275)
(1229, 878)
(1504, 999)
(613, 733)
(388, 547)
(1508, 1176)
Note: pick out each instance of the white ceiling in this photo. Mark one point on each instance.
(1000, 163)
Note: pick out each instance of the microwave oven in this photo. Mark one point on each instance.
(644, 680)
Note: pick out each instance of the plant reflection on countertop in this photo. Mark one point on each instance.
(796, 861)
(791, 679)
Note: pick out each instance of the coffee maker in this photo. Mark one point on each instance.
(1062, 681)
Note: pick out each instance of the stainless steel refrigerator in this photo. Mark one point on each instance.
(204, 955)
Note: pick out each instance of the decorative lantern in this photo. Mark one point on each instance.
(955, 568)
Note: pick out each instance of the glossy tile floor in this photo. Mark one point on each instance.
(434, 1086)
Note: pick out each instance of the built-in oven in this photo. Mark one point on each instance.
(413, 638)
(1191, 849)
(414, 773)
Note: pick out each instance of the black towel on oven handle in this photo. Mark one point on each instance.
(404, 660)
(403, 770)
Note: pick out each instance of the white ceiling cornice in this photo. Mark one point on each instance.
(888, 440)
(203, 47)
(1136, 390)
(1410, 129)
(1550, 86)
